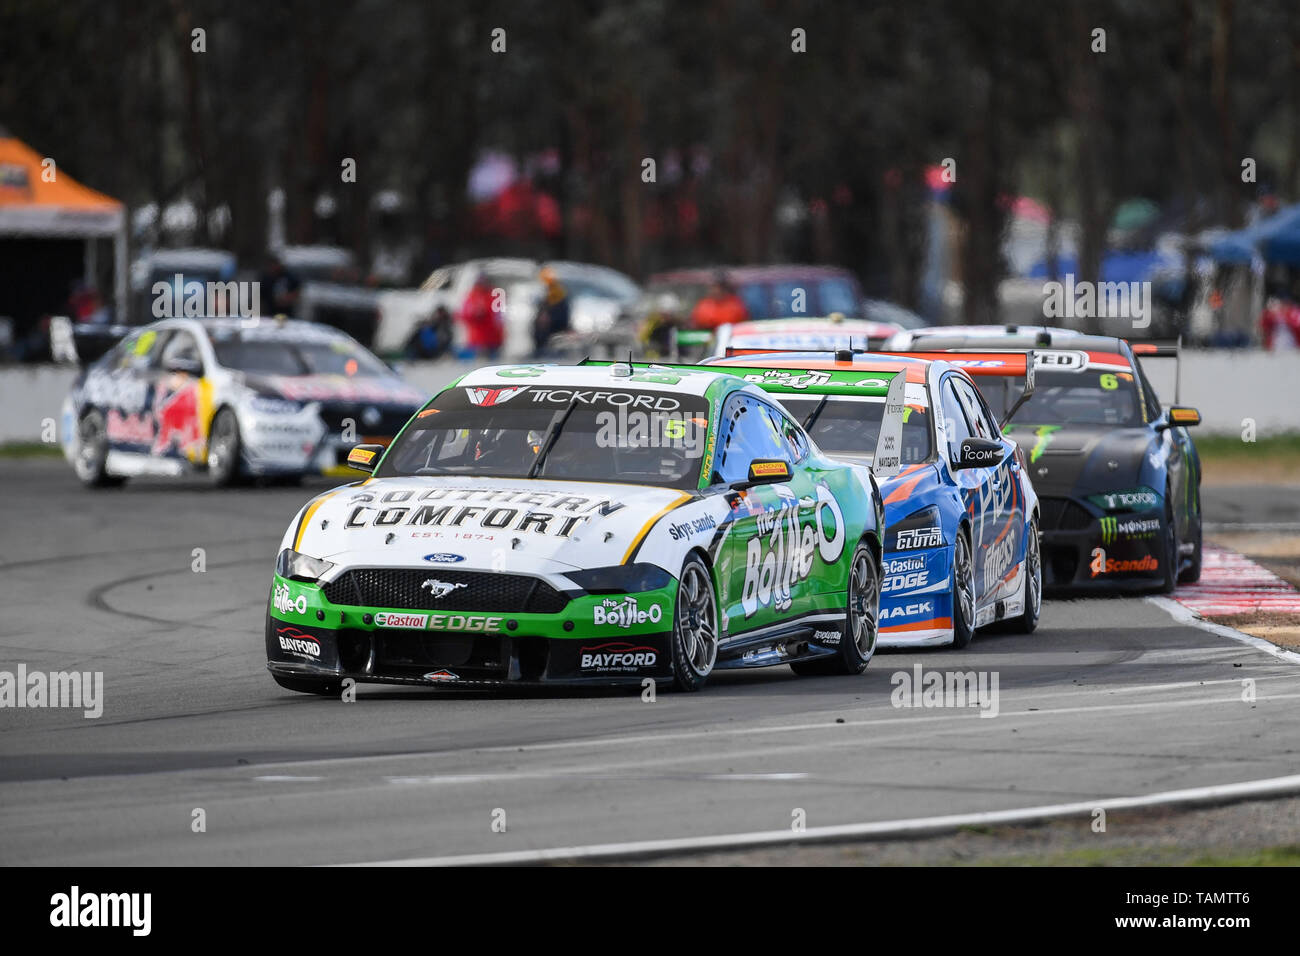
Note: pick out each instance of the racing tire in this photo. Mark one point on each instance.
(91, 459)
(695, 626)
(1027, 622)
(224, 446)
(963, 591)
(1171, 555)
(1192, 573)
(861, 621)
(322, 687)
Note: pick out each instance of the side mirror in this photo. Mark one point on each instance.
(764, 471)
(365, 457)
(185, 366)
(979, 453)
(1179, 416)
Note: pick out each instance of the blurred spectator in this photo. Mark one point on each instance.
(85, 304)
(655, 333)
(552, 312)
(720, 307)
(432, 337)
(484, 330)
(280, 288)
(1280, 322)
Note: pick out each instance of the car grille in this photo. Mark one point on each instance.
(482, 591)
(1062, 514)
(391, 418)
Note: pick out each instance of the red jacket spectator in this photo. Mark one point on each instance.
(720, 307)
(484, 330)
(1280, 324)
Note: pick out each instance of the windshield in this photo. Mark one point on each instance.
(1089, 397)
(849, 427)
(282, 356)
(625, 435)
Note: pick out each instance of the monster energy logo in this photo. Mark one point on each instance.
(1111, 528)
(1108, 528)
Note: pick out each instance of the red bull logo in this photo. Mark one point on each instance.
(177, 416)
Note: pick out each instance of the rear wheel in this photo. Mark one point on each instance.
(224, 449)
(1028, 621)
(861, 621)
(695, 626)
(91, 459)
(323, 687)
(963, 591)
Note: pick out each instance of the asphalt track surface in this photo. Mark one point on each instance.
(1110, 698)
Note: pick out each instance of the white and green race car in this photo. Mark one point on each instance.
(548, 524)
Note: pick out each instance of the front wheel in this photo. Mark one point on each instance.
(91, 461)
(695, 626)
(963, 592)
(861, 621)
(1192, 573)
(1028, 621)
(1171, 547)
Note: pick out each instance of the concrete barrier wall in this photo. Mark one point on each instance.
(1227, 387)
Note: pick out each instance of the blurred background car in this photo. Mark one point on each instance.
(230, 398)
(596, 295)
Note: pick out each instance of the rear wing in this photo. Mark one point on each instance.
(1164, 350)
(986, 363)
(891, 385)
(720, 339)
(687, 338)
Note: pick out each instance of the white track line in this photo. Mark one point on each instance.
(918, 826)
(1185, 615)
(1281, 527)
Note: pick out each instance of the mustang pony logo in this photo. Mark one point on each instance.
(440, 589)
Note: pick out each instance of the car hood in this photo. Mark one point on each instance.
(372, 389)
(499, 524)
(1082, 459)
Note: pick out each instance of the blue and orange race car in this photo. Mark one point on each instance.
(961, 515)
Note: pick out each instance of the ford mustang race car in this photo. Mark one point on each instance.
(549, 524)
(1118, 474)
(961, 540)
(230, 398)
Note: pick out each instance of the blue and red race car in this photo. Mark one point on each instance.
(962, 519)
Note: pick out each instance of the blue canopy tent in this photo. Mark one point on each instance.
(1239, 247)
(1115, 266)
(1282, 244)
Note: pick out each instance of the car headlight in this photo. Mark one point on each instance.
(920, 529)
(274, 406)
(1131, 499)
(297, 566)
(621, 579)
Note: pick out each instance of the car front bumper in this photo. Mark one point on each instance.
(591, 640)
(1084, 550)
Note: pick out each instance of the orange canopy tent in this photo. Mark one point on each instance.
(40, 200)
